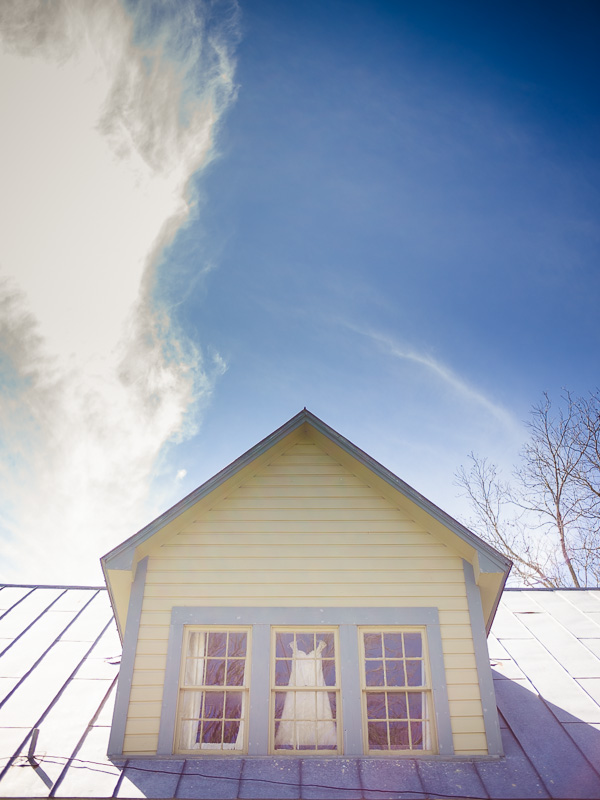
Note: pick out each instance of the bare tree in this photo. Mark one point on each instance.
(547, 520)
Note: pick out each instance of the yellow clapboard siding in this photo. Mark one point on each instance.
(325, 588)
(468, 724)
(151, 647)
(451, 632)
(174, 576)
(459, 646)
(295, 456)
(306, 538)
(268, 479)
(144, 710)
(290, 550)
(463, 691)
(300, 503)
(280, 564)
(342, 491)
(146, 694)
(150, 632)
(316, 470)
(459, 661)
(144, 677)
(465, 708)
(472, 743)
(146, 725)
(152, 604)
(462, 676)
(316, 515)
(451, 619)
(451, 593)
(150, 662)
(304, 447)
(140, 744)
(293, 525)
(156, 619)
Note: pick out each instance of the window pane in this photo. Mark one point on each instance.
(416, 732)
(329, 672)
(414, 673)
(413, 645)
(235, 673)
(212, 732)
(332, 704)
(215, 672)
(374, 673)
(190, 734)
(237, 644)
(415, 705)
(283, 645)
(305, 642)
(376, 705)
(373, 645)
(393, 645)
(216, 644)
(230, 731)
(394, 673)
(213, 704)
(397, 705)
(283, 672)
(399, 736)
(233, 705)
(279, 703)
(328, 640)
(378, 739)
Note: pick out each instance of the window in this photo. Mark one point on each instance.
(305, 691)
(396, 691)
(213, 696)
(305, 681)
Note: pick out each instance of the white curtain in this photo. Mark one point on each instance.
(306, 719)
(192, 700)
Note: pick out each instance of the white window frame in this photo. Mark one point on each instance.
(335, 689)
(424, 690)
(202, 687)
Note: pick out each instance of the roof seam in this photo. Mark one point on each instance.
(89, 726)
(60, 691)
(14, 605)
(31, 624)
(547, 704)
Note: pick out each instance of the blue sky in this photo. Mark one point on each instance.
(385, 212)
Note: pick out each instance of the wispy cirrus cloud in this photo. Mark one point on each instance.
(444, 374)
(108, 111)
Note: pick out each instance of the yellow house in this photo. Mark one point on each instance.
(305, 601)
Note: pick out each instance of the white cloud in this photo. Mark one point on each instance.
(101, 135)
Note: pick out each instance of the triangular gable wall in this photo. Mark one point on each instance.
(304, 530)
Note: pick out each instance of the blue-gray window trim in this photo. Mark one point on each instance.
(348, 620)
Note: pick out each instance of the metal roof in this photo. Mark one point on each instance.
(59, 657)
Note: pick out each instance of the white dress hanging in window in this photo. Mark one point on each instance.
(306, 719)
